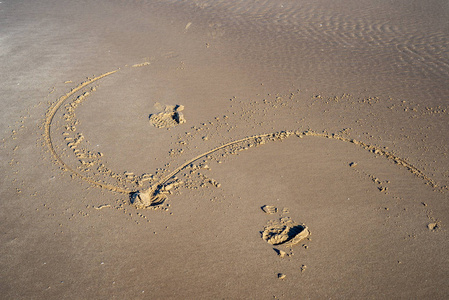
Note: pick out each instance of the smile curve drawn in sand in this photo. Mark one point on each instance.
(156, 194)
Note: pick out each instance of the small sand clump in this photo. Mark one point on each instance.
(284, 231)
(269, 209)
(433, 226)
(170, 117)
(280, 253)
(146, 199)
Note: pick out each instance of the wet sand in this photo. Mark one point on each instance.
(224, 149)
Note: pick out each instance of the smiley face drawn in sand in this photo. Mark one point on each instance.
(171, 116)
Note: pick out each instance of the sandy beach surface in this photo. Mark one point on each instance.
(224, 149)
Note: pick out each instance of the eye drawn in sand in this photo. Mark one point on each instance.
(284, 232)
(157, 193)
(170, 117)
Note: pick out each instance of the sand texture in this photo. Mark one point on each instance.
(224, 149)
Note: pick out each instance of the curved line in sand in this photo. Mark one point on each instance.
(157, 188)
(154, 189)
(47, 135)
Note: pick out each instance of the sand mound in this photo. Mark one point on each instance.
(145, 199)
(170, 117)
(284, 231)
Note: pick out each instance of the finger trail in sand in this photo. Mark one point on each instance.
(47, 135)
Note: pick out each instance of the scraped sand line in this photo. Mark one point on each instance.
(47, 136)
(154, 193)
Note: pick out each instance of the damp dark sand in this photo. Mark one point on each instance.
(309, 160)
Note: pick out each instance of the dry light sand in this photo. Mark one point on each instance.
(237, 149)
